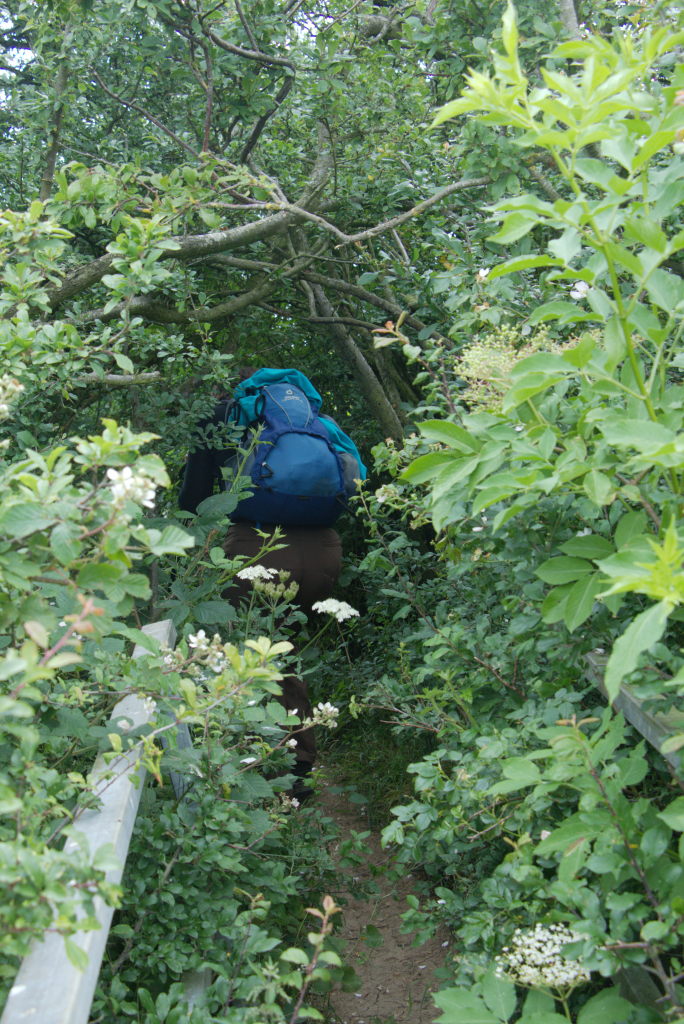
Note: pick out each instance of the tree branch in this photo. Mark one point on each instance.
(386, 225)
(265, 118)
(56, 127)
(257, 55)
(145, 113)
(158, 312)
(118, 380)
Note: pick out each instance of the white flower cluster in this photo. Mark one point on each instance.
(9, 389)
(256, 572)
(129, 486)
(211, 652)
(534, 958)
(323, 714)
(339, 609)
(579, 290)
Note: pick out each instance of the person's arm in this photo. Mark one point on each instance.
(198, 480)
(203, 465)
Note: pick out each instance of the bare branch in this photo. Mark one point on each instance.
(118, 380)
(257, 55)
(401, 247)
(145, 113)
(245, 25)
(386, 225)
(265, 118)
(368, 382)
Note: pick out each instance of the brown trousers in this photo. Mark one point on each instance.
(313, 557)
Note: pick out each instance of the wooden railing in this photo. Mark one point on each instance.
(48, 988)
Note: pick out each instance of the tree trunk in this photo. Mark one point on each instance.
(371, 388)
(569, 18)
(56, 126)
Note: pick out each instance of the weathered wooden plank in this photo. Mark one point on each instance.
(654, 726)
(48, 989)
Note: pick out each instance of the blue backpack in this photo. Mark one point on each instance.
(303, 467)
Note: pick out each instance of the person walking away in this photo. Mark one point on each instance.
(303, 469)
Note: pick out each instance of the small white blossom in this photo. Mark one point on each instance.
(291, 743)
(126, 485)
(198, 640)
(324, 714)
(149, 705)
(256, 572)
(483, 273)
(579, 290)
(340, 609)
(386, 493)
(535, 959)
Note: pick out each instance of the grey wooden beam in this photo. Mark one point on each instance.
(654, 726)
(48, 989)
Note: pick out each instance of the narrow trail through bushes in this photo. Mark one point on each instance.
(397, 977)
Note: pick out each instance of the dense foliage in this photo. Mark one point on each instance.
(493, 307)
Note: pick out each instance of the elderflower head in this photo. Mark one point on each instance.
(9, 389)
(339, 609)
(256, 572)
(535, 959)
(127, 485)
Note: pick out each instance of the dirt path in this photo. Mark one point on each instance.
(397, 977)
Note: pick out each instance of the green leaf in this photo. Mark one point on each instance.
(673, 814)
(588, 546)
(450, 434)
(537, 1002)
(64, 544)
(641, 634)
(426, 467)
(509, 31)
(643, 435)
(99, 575)
(563, 569)
(462, 1007)
(295, 956)
(516, 225)
(499, 995)
(563, 312)
(77, 956)
(518, 263)
(598, 487)
(22, 519)
(581, 598)
(606, 1007)
(123, 362)
(171, 541)
(665, 290)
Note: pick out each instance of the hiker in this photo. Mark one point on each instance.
(303, 468)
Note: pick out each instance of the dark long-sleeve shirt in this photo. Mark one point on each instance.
(206, 459)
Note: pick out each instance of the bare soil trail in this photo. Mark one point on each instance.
(397, 977)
